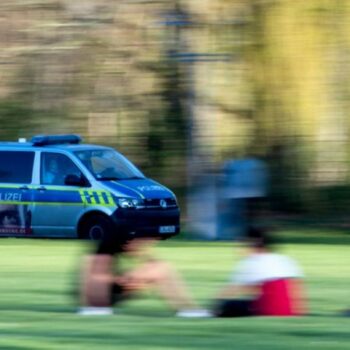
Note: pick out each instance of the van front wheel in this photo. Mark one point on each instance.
(95, 228)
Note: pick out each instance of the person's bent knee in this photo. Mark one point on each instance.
(159, 270)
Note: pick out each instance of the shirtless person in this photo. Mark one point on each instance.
(101, 287)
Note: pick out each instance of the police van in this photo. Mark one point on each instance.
(54, 186)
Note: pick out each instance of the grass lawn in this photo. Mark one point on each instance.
(37, 310)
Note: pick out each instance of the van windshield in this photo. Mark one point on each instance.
(107, 164)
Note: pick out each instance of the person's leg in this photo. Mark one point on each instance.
(164, 279)
(96, 281)
(233, 308)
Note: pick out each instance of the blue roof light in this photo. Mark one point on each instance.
(45, 140)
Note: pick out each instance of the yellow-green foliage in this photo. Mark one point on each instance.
(279, 71)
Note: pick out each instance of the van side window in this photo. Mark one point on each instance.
(55, 167)
(16, 167)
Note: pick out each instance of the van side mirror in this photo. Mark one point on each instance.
(75, 180)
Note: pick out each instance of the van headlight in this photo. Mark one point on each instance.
(128, 203)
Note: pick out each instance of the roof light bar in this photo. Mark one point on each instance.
(45, 140)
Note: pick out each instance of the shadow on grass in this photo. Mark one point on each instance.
(314, 239)
(39, 308)
(95, 333)
(280, 239)
(322, 335)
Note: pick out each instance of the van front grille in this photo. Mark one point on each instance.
(156, 203)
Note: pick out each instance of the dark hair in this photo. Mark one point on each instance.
(259, 238)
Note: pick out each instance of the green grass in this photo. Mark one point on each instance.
(37, 310)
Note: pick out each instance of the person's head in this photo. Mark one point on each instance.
(114, 244)
(53, 166)
(139, 246)
(259, 239)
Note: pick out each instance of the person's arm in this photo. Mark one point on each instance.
(299, 296)
(243, 281)
(228, 292)
(232, 291)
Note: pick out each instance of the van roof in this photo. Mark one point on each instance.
(62, 142)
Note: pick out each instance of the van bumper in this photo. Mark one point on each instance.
(148, 222)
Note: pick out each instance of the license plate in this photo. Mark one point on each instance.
(167, 229)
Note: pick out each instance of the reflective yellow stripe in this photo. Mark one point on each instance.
(92, 197)
(109, 199)
(15, 202)
(104, 198)
(62, 188)
(13, 186)
(100, 197)
(53, 203)
(83, 197)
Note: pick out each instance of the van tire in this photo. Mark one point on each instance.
(95, 227)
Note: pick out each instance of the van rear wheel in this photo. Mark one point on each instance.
(95, 228)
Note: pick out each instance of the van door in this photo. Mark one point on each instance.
(56, 206)
(16, 173)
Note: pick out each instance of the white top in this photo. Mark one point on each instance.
(261, 267)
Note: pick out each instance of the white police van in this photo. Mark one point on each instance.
(54, 186)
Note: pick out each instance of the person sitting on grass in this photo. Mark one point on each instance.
(264, 284)
(101, 288)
